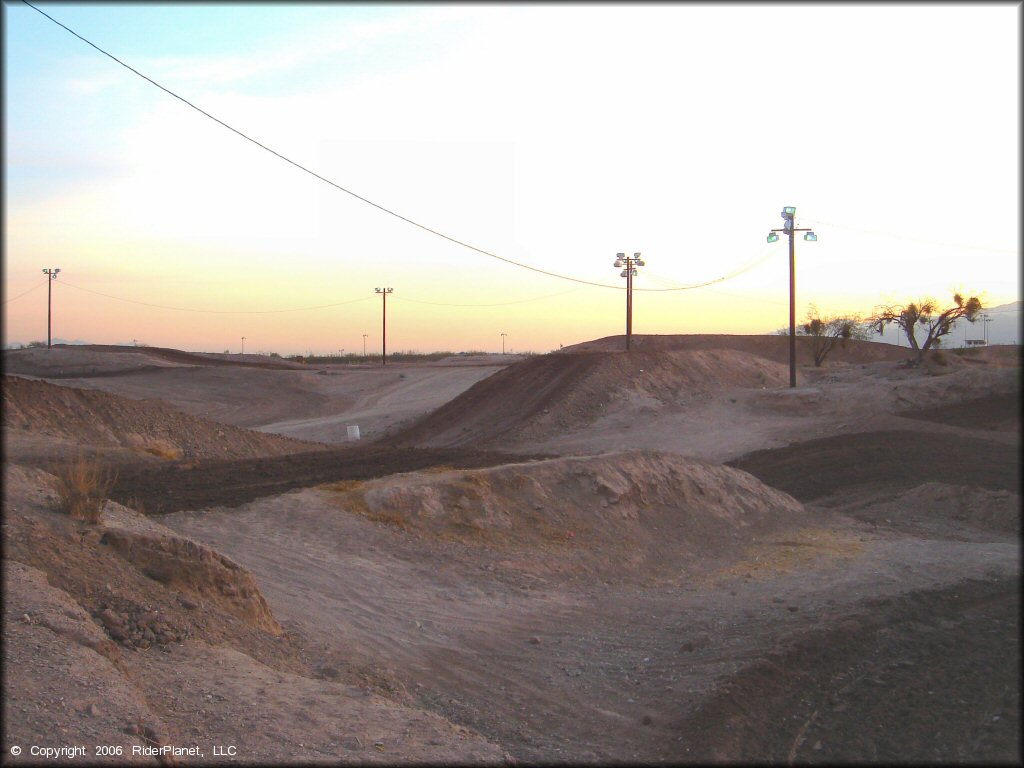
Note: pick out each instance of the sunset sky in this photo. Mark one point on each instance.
(550, 135)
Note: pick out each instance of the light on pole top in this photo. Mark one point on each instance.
(789, 212)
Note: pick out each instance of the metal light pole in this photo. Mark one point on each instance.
(503, 342)
(788, 213)
(985, 319)
(384, 331)
(364, 345)
(630, 263)
(243, 346)
(52, 275)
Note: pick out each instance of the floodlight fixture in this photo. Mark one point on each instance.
(789, 212)
(810, 236)
(773, 237)
(788, 225)
(618, 263)
(622, 273)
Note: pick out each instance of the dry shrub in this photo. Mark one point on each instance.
(162, 452)
(82, 488)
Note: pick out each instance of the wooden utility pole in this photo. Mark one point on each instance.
(630, 263)
(788, 214)
(384, 330)
(51, 276)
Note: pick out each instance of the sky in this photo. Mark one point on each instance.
(554, 136)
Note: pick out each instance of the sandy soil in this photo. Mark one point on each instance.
(845, 589)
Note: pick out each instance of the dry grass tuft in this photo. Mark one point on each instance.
(82, 488)
(163, 452)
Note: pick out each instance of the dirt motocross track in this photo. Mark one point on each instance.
(589, 557)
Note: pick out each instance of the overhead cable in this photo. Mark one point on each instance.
(360, 197)
(897, 236)
(39, 285)
(498, 304)
(218, 311)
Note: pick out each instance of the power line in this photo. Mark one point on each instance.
(896, 236)
(219, 311)
(498, 304)
(26, 293)
(360, 197)
(313, 173)
(735, 273)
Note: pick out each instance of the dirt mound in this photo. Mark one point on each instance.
(770, 347)
(66, 418)
(649, 509)
(550, 394)
(92, 360)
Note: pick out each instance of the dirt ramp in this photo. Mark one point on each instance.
(771, 347)
(544, 396)
(96, 419)
(596, 513)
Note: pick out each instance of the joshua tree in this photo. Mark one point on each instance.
(926, 314)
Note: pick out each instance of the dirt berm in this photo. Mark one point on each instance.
(42, 420)
(659, 512)
(544, 396)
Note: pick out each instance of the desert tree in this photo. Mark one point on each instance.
(927, 316)
(826, 332)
